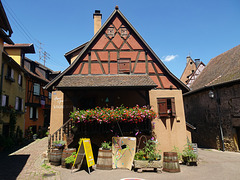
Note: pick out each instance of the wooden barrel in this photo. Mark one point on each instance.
(66, 153)
(55, 157)
(104, 160)
(170, 162)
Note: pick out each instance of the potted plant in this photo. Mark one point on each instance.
(189, 157)
(70, 160)
(148, 157)
(104, 160)
(106, 145)
(59, 144)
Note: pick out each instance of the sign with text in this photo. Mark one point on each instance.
(85, 148)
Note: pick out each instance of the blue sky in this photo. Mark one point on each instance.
(174, 29)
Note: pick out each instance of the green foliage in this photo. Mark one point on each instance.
(106, 145)
(70, 159)
(176, 149)
(46, 166)
(188, 153)
(140, 155)
(149, 152)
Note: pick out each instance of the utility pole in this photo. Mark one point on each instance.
(40, 51)
(45, 57)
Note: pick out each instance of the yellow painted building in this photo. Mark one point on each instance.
(13, 85)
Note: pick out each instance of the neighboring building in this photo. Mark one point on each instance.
(118, 67)
(13, 85)
(217, 119)
(195, 74)
(192, 70)
(37, 100)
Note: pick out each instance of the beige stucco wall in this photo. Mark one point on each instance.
(57, 104)
(169, 132)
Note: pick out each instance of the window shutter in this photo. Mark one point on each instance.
(12, 73)
(124, 65)
(162, 107)
(4, 98)
(16, 103)
(31, 112)
(173, 107)
(36, 113)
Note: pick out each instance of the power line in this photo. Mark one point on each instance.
(20, 24)
(43, 55)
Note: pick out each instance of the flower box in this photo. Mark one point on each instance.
(140, 165)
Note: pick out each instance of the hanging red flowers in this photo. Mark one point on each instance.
(107, 115)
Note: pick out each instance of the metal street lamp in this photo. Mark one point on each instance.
(211, 95)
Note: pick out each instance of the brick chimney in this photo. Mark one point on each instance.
(97, 16)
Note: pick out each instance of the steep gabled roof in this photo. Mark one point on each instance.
(68, 55)
(4, 23)
(220, 69)
(115, 12)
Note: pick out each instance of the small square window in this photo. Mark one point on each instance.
(110, 32)
(166, 107)
(124, 32)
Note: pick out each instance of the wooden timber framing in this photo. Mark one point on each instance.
(117, 39)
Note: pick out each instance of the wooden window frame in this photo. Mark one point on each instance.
(166, 107)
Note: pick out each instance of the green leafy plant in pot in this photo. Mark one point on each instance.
(106, 145)
(70, 160)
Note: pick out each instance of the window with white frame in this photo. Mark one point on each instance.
(33, 113)
(36, 89)
(5, 99)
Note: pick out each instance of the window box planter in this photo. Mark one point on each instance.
(140, 165)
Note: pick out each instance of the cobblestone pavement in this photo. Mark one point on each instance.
(28, 163)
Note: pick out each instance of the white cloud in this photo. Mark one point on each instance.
(169, 57)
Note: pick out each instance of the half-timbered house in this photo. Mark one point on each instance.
(118, 67)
